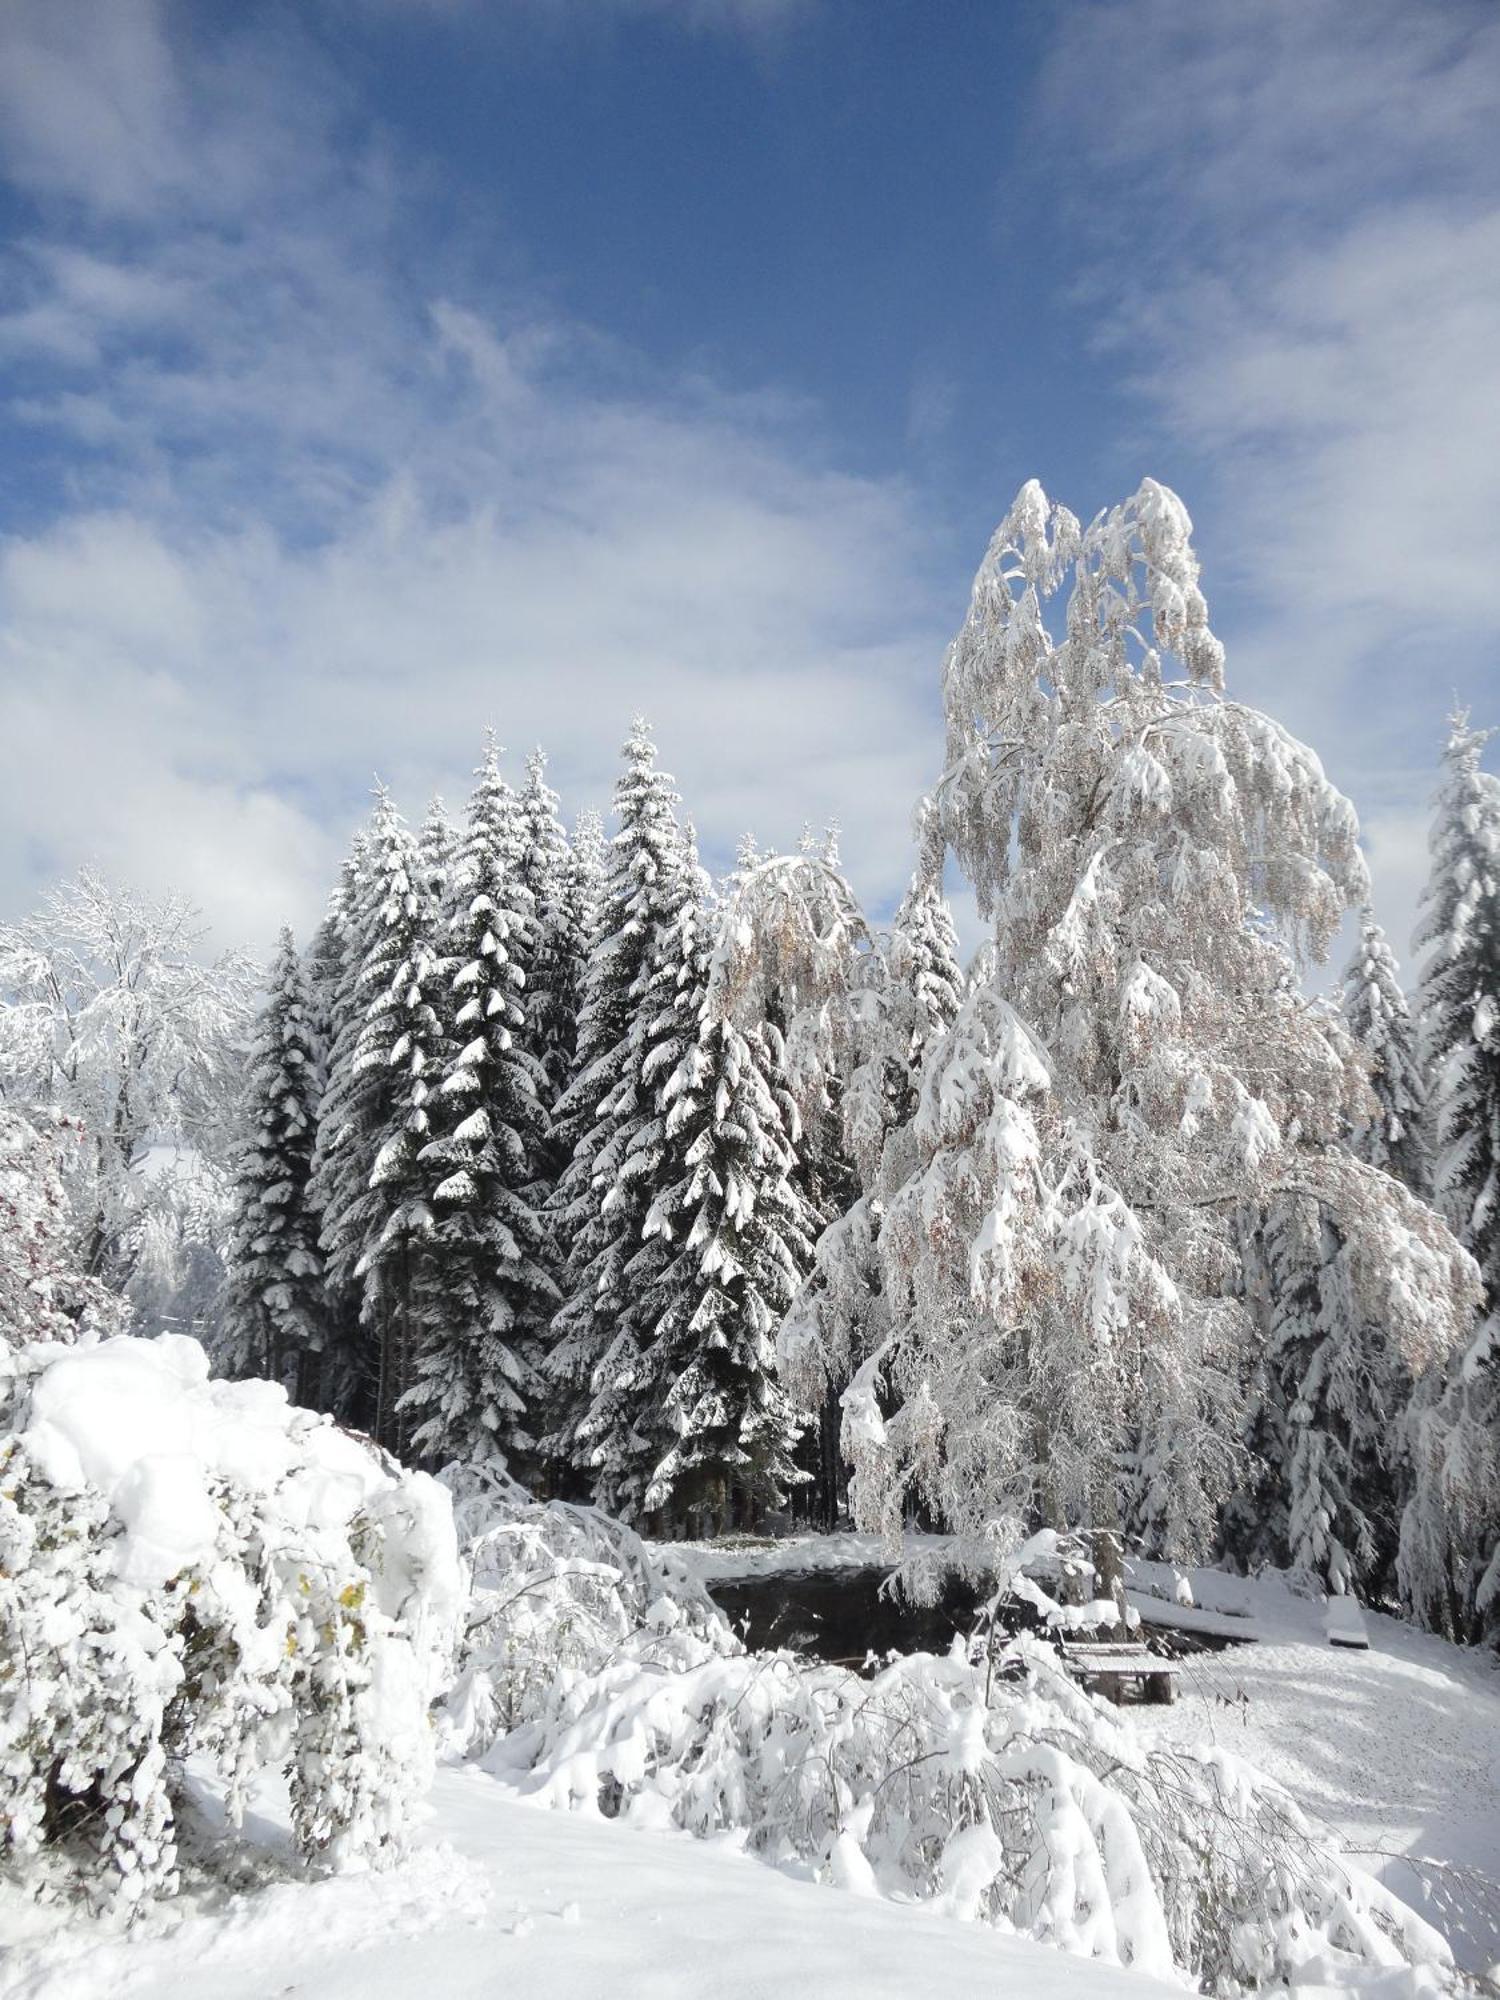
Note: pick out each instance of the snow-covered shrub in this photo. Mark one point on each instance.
(556, 1591)
(994, 1790)
(190, 1566)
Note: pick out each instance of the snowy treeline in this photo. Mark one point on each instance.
(701, 1199)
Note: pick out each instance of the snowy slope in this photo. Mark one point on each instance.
(557, 1907)
(1398, 1748)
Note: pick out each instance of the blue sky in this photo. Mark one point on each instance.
(372, 371)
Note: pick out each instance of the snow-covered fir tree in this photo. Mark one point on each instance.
(275, 1310)
(1459, 1000)
(369, 1185)
(331, 970)
(557, 947)
(437, 845)
(609, 1118)
(1333, 1392)
(1392, 1132)
(1450, 1531)
(733, 1237)
(485, 1297)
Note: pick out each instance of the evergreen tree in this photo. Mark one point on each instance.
(605, 1194)
(1459, 1001)
(1392, 1134)
(331, 969)
(485, 1295)
(369, 1184)
(437, 848)
(739, 1242)
(275, 1311)
(1450, 1531)
(1334, 1392)
(555, 948)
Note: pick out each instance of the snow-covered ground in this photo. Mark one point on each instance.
(1398, 1748)
(509, 1898)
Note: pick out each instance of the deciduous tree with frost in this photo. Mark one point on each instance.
(111, 1014)
(44, 1292)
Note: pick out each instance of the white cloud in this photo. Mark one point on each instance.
(333, 526)
(1310, 199)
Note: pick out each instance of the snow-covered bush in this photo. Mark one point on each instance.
(994, 1790)
(556, 1591)
(598, 1678)
(190, 1566)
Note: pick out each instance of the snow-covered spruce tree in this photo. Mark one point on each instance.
(437, 846)
(1450, 1532)
(1392, 1134)
(626, 1033)
(331, 969)
(368, 1184)
(485, 1297)
(1333, 1390)
(737, 1237)
(557, 948)
(1131, 1063)
(275, 1309)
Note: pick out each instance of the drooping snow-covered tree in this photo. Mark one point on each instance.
(276, 1320)
(1133, 1063)
(610, 1113)
(368, 1184)
(904, 993)
(1450, 1532)
(485, 1297)
(1156, 858)
(1392, 1132)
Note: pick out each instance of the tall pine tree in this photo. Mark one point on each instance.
(605, 1192)
(277, 1321)
(374, 1122)
(1450, 1532)
(485, 1295)
(1392, 1134)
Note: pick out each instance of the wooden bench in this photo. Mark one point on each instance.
(1109, 1669)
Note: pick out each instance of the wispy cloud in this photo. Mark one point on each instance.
(331, 521)
(1295, 224)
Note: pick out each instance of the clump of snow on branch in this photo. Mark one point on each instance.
(196, 1567)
